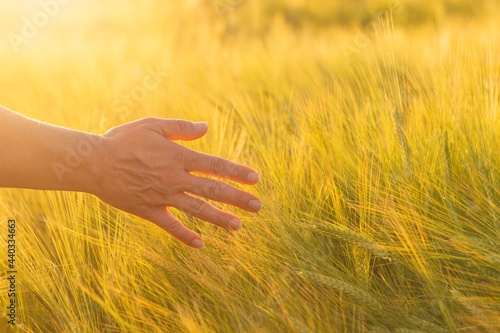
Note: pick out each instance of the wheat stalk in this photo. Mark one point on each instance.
(354, 292)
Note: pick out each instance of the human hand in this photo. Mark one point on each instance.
(144, 173)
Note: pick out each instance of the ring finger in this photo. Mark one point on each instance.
(203, 210)
(222, 192)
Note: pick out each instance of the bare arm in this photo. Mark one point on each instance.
(32, 151)
(135, 167)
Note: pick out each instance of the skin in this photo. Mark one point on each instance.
(136, 167)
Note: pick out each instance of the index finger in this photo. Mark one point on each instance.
(221, 167)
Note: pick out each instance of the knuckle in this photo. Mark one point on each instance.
(180, 158)
(143, 211)
(148, 121)
(197, 207)
(212, 189)
(217, 165)
(222, 221)
(233, 169)
(183, 160)
(181, 126)
(169, 181)
(240, 198)
(173, 227)
(155, 198)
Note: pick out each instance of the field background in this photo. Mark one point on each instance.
(374, 124)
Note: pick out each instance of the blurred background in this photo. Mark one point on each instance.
(374, 124)
(115, 40)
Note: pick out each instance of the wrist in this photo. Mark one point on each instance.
(80, 167)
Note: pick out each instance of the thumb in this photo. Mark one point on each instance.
(174, 129)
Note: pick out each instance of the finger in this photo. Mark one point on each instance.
(220, 167)
(177, 129)
(205, 211)
(165, 220)
(219, 191)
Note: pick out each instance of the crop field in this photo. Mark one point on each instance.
(375, 127)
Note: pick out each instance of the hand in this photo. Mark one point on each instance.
(144, 172)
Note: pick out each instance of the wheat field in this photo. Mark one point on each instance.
(375, 127)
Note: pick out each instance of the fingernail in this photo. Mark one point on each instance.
(200, 125)
(235, 224)
(253, 177)
(255, 205)
(198, 243)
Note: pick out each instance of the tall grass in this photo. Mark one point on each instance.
(380, 168)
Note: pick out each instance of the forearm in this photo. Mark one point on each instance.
(36, 155)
